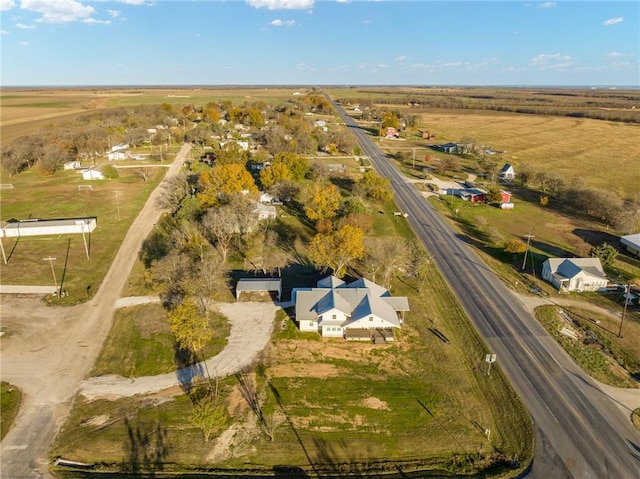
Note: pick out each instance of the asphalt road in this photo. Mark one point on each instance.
(579, 431)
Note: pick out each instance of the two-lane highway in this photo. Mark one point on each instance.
(580, 433)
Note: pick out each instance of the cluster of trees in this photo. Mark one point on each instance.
(602, 205)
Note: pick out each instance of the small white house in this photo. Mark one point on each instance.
(507, 172)
(264, 212)
(575, 274)
(91, 174)
(72, 165)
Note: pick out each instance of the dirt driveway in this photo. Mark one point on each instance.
(47, 352)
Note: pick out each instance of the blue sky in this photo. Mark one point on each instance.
(321, 42)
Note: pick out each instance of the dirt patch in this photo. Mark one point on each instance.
(236, 403)
(375, 403)
(234, 441)
(97, 421)
(304, 370)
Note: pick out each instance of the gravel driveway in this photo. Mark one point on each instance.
(251, 326)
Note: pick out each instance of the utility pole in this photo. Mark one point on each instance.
(117, 192)
(53, 271)
(414, 158)
(627, 291)
(524, 261)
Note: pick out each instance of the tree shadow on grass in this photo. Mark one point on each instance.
(146, 448)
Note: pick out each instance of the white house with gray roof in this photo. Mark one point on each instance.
(360, 310)
(575, 274)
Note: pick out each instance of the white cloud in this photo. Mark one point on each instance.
(546, 59)
(281, 4)
(114, 13)
(548, 5)
(22, 26)
(132, 2)
(7, 5)
(24, 44)
(304, 66)
(59, 11)
(4, 32)
(93, 21)
(613, 21)
(400, 58)
(283, 23)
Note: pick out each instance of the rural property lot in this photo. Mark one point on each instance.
(64, 350)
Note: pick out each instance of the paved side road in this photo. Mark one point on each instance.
(48, 351)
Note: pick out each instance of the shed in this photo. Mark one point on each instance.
(271, 285)
(37, 227)
(631, 243)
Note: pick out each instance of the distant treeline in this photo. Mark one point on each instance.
(609, 105)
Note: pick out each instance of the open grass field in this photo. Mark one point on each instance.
(114, 202)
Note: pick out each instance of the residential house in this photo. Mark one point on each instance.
(360, 310)
(507, 172)
(446, 148)
(391, 132)
(118, 152)
(575, 274)
(264, 212)
(72, 165)
(92, 174)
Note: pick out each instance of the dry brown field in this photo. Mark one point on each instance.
(604, 154)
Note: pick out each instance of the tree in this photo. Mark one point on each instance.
(219, 227)
(605, 252)
(298, 165)
(277, 172)
(144, 174)
(375, 187)
(322, 201)
(167, 273)
(390, 120)
(189, 325)
(515, 246)
(224, 181)
(383, 257)
(338, 249)
(209, 416)
(110, 171)
(419, 263)
(174, 190)
(493, 194)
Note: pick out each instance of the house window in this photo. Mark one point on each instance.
(370, 318)
(333, 316)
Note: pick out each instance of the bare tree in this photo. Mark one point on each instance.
(144, 174)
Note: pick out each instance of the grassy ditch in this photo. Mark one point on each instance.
(141, 344)
(10, 398)
(592, 346)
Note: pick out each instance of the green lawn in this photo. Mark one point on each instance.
(10, 398)
(57, 196)
(141, 344)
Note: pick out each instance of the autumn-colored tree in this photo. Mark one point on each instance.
(224, 181)
(209, 415)
(390, 120)
(544, 200)
(374, 187)
(298, 165)
(189, 325)
(277, 172)
(515, 246)
(338, 249)
(230, 153)
(322, 201)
